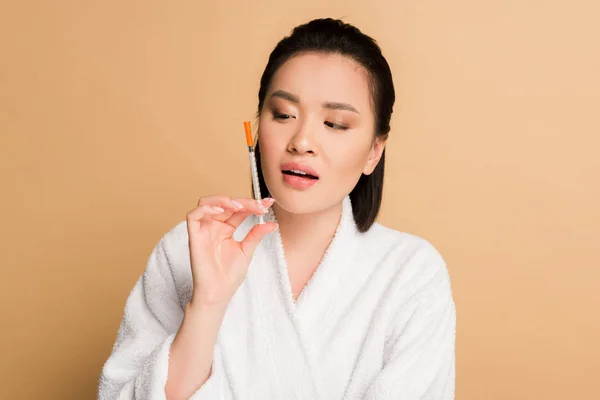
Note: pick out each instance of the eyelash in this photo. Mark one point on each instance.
(336, 126)
(327, 123)
(281, 116)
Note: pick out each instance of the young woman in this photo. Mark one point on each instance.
(320, 302)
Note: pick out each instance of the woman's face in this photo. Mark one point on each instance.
(317, 119)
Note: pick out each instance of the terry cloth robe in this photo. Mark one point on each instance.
(375, 321)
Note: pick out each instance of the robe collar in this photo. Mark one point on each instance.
(330, 272)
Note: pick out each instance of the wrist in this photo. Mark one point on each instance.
(199, 306)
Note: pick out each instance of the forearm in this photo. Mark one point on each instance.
(191, 353)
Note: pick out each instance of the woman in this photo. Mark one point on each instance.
(331, 305)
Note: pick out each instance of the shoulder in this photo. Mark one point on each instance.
(170, 262)
(175, 242)
(401, 245)
(412, 264)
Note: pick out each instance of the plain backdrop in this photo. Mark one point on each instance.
(116, 116)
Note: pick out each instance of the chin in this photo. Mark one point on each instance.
(295, 203)
(302, 202)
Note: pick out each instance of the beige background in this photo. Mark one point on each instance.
(115, 116)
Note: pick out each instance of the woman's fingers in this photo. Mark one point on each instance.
(250, 206)
(214, 200)
(202, 211)
(231, 206)
(255, 235)
(231, 211)
(223, 202)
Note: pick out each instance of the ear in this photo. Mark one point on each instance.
(374, 156)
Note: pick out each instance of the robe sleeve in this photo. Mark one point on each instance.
(420, 360)
(138, 365)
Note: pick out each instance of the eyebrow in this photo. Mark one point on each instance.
(282, 94)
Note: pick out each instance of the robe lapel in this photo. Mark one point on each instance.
(269, 343)
(318, 295)
(259, 340)
(317, 301)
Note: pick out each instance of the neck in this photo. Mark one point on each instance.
(301, 233)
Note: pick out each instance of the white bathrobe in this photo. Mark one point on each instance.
(376, 321)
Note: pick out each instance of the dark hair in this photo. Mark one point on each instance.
(335, 36)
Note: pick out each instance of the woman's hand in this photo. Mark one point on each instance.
(219, 262)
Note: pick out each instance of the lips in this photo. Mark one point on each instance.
(300, 170)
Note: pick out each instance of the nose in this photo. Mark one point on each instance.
(302, 142)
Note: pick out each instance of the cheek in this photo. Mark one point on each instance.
(351, 160)
(270, 149)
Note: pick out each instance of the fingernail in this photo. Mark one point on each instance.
(218, 209)
(237, 204)
(262, 206)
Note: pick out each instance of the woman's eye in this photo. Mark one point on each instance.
(336, 126)
(281, 116)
